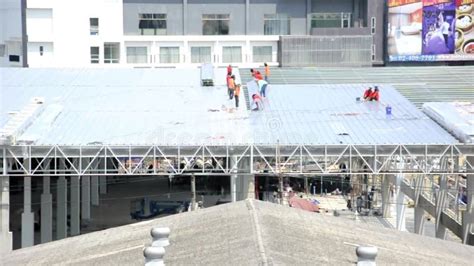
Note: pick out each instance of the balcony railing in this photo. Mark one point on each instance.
(331, 20)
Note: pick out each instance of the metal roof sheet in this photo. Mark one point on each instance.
(169, 107)
(456, 117)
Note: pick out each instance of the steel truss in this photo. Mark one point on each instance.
(57, 160)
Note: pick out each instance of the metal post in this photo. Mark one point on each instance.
(419, 220)
(102, 179)
(233, 179)
(440, 206)
(46, 211)
(75, 208)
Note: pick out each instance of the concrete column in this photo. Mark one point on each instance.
(401, 223)
(419, 220)
(86, 197)
(308, 17)
(5, 234)
(95, 190)
(185, 17)
(103, 184)
(233, 179)
(468, 217)
(27, 217)
(46, 212)
(75, 209)
(385, 196)
(61, 208)
(247, 17)
(440, 204)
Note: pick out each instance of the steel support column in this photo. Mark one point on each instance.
(385, 196)
(5, 234)
(86, 198)
(401, 224)
(468, 217)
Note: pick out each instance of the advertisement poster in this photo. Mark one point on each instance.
(430, 30)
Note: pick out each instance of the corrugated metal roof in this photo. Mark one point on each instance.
(169, 107)
(456, 117)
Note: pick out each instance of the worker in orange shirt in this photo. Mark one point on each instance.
(256, 74)
(229, 70)
(236, 95)
(374, 96)
(267, 71)
(367, 93)
(231, 87)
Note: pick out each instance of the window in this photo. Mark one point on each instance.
(41, 50)
(152, 24)
(262, 54)
(232, 54)
(94, 26)
(111, 52)
(276, 24)
(331, 20)
(94, 54)
(14, 58)
(137, 55)
(200, 54)
(2, 50)
(215, 24)
(169, 55)
(372, 23)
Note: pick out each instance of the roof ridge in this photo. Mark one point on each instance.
(258, 230)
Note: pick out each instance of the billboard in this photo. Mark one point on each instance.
(430, 30)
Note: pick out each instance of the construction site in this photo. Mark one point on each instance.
(86, 150)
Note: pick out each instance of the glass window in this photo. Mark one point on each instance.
(111, 52)
(215, 24)
(262, 54)
(94, 54)
(200, 54)
(137, 55)
(169, 55)
(276, 24)
(94, 26)
(331, 20)
(152, 24)
(232, 54)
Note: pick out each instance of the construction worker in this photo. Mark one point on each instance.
(229, 70)
(367, 93)
(256, 74)
(374, 96)
(231, 87)
(267, 71)
(236, 95)
(257, 100)
(262, 85)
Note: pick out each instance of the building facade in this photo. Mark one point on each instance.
(10, 33)
(161, 33)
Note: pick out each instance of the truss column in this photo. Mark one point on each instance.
(27, 217)
(401, 208)
(5, 234)
(468, 217)
(385, 196)
(75, 202)
(46, 211)
(61, 208)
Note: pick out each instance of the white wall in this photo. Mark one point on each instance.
(39, 24)
(10, 30)
(36, 58)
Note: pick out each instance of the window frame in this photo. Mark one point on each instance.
(155, 23)
(93, 29)
(208, 19)
(275, 17)
(95, 58)
(135, 55)
(111, 60)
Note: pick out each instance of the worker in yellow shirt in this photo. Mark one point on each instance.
(267, 71)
